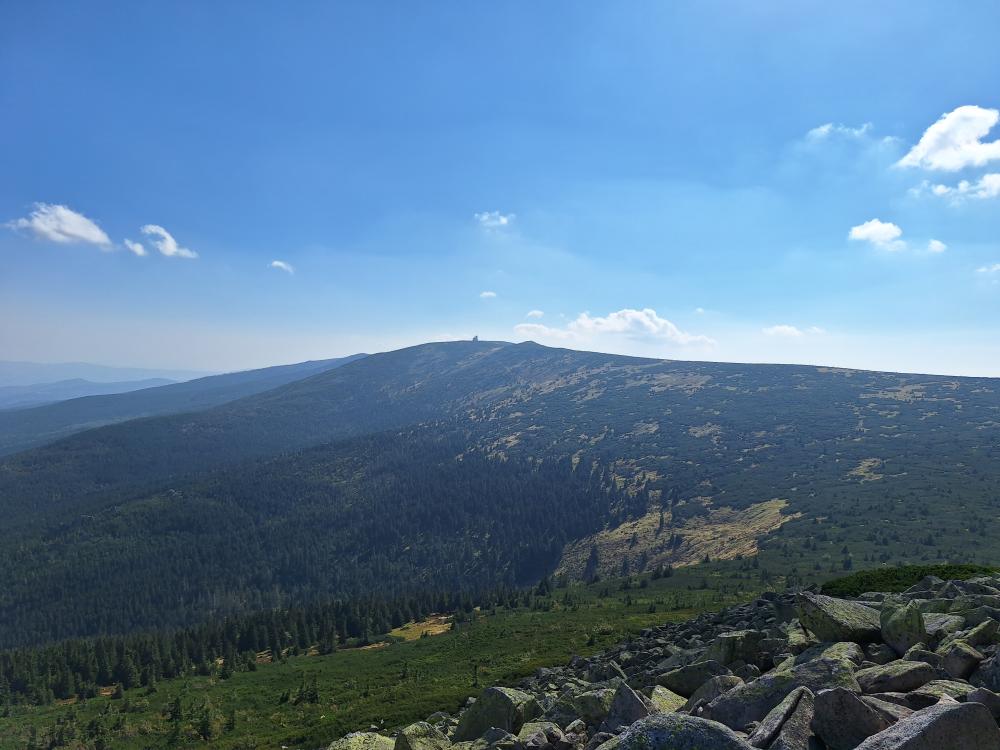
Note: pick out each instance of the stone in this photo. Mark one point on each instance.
(753, 700)
(935, 690)
(879, 653)
(685, 680)
(593, 705)
(498, 707)
(962, 726)
(680, 732)
(739, 645)
(665, 701)
(767, 731)
(421, 736)
(961, 660)
(988, 698)
(940, 625)
(896, 676)
(838, 620)
(712, 689)
(363, 741)
(843, 720)
(902, 625)
(843, 650)
(796, 732)
(891, 712)
(626, 708)
(987, 675)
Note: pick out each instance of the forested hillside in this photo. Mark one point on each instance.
(475, 463)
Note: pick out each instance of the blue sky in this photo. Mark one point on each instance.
(669, 179)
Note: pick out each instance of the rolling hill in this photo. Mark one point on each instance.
(26, 428)
(359, 477)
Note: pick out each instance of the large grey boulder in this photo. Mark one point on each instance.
(752, 701)
(363, 741)
(895, 677)
(498, 707)
(843, 720)
(838, 620)
(663, 700)
(679, 732)
(796, 732)
(711, 690)
(944, 726)
(767, 731)
(902, 625)
(685, 680)
(960, 660)
(593, 705)
(627, 707)
(987, 675)
(988, 698)
(421, 736)
(739, 645)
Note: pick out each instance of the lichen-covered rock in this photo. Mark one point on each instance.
(685, 680)
(838, 620)
(627, 707)
(421, 736)
(961, 660)
(896, 676)
(739, 645)
(498, 707)
(945, 726)
(363, 741)
(843, 720)
(767, 731)
(712, 689)
(752, 701)
(680, 732)
(935, 690)
(902, 625)
(593, 705)
(796, 732)
(988, 698)
(665, 701)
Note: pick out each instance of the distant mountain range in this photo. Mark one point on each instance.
(23, 396)
(469, 464)
(25, 428)
(34, 373)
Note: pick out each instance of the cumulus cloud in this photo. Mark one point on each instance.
(936, 246)
(955, 141)
(135, 248)
(534, 314)
(494, 219)
(487, 295)
(881, 234)
(283, 266)
(990, 269)
(642, 324)
(830, 129)
(165, 243)
(987, 186)
(783, 330)
(57, 223)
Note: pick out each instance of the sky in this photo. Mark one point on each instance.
(218, 186)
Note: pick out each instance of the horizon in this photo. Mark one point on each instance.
(640, 183)
(194, 375)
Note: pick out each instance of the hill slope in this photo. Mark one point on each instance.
(802, 469)
(30, 427)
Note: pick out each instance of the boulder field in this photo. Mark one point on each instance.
(917, 670)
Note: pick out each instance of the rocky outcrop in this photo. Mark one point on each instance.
(792, 671)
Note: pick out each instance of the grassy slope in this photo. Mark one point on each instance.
(397, 684)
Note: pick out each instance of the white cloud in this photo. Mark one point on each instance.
(534, 314)
(494, 219)
(994, 268)
(57, 223)
(954, 142)
(786, 331)
(936, 246)
(165, 243)
(135, 248)
(830, 129)
(642, 324)
(881, 234)
(283, 266)
(987, 186)
(487, 295)
(699, 310)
